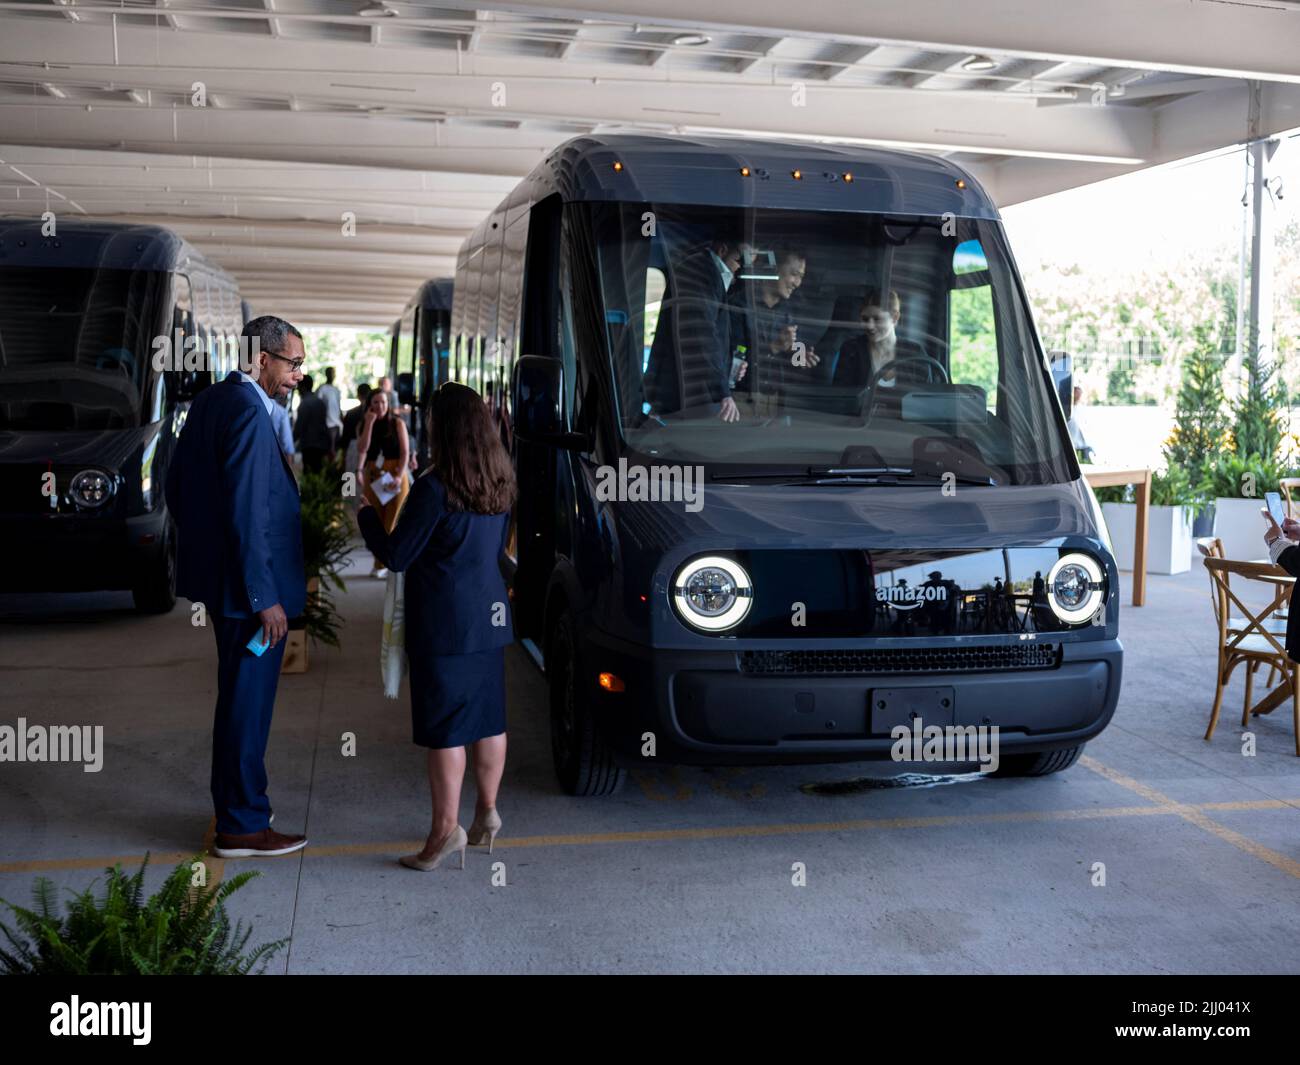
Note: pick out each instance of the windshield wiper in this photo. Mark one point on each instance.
(815, 475)
(779, 473)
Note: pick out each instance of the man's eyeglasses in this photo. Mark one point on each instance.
(295, 364)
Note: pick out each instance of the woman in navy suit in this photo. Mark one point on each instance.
(449, 541)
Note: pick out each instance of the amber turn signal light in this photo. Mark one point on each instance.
(611, 682)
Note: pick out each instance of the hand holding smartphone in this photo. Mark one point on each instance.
(1276, 511)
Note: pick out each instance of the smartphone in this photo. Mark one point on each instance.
(259, 643)
(1273, 500)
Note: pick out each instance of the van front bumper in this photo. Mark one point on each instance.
(78, 553)
(814, 705)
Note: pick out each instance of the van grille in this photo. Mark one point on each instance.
(1033, 655)
(20, 488)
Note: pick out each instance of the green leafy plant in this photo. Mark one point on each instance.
(1259, 429)
(1174, 488)
(1115, 493)
(1200, 431)
(1225, 477)
(180, 931)
(325, 547)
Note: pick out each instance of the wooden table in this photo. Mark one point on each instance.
(1140, 478)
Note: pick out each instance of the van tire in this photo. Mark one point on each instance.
(1038, 765)
(155, 591)
(584, 765)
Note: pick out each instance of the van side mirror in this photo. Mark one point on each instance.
(537, 390)
(1062, 364)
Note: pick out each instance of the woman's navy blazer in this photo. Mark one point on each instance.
(456, 600)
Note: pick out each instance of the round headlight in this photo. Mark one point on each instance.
(91, 488)
(1074, 587)
(712, 593)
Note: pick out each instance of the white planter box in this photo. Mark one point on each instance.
(1169, 536)
(1241, 527)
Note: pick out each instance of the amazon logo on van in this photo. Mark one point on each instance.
(902, 597)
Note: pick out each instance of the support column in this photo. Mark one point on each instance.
(1255, 330)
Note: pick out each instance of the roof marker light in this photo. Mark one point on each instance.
(796, 174)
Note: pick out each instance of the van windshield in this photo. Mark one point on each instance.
(76, 346)
(782, 340)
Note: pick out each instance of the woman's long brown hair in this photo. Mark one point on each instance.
(467, 452)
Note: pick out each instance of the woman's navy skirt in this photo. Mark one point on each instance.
(457, 700)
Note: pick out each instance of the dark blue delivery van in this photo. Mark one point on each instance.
(793, 464)
(107, 331)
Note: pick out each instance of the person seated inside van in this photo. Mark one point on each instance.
(766, 328)
(879, 344)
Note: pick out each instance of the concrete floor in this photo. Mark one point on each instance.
(685, 870)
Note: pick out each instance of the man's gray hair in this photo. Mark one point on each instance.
(270, 332)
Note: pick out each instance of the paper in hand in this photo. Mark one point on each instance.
(386, 488)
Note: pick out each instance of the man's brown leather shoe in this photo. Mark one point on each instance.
(264, 844)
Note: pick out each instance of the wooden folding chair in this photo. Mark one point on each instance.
(1212, 547)
(1253, 644)
(1289, 485)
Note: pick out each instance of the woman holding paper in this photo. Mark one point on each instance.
(449, 545)
(386, 450)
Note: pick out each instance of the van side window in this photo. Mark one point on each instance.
(567, 349)
(972, 321)
(183, 305)
(655, 286)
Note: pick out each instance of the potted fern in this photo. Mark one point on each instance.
(182, 930)
(325, 547)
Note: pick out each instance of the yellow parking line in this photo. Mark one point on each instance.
(50, 865)
(1194, 813)
(1161, 806)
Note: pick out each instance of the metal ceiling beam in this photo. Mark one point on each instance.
(1196, 37)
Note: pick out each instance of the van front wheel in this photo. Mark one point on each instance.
(584, 765)
(1038, 765)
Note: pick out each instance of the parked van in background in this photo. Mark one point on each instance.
(87, 423)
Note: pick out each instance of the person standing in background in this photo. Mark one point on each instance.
(333, 400)
(1080, 442)
(309, 429)
(394, 407)
(383, 448)
(352, 426)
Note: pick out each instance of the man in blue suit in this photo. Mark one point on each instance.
(235, 502)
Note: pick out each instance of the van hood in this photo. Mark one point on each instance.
(858, 516)
(108, 447)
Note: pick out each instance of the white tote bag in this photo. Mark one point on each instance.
(392, 647)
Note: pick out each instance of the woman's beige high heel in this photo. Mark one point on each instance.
(489, 826)
(454, 842)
